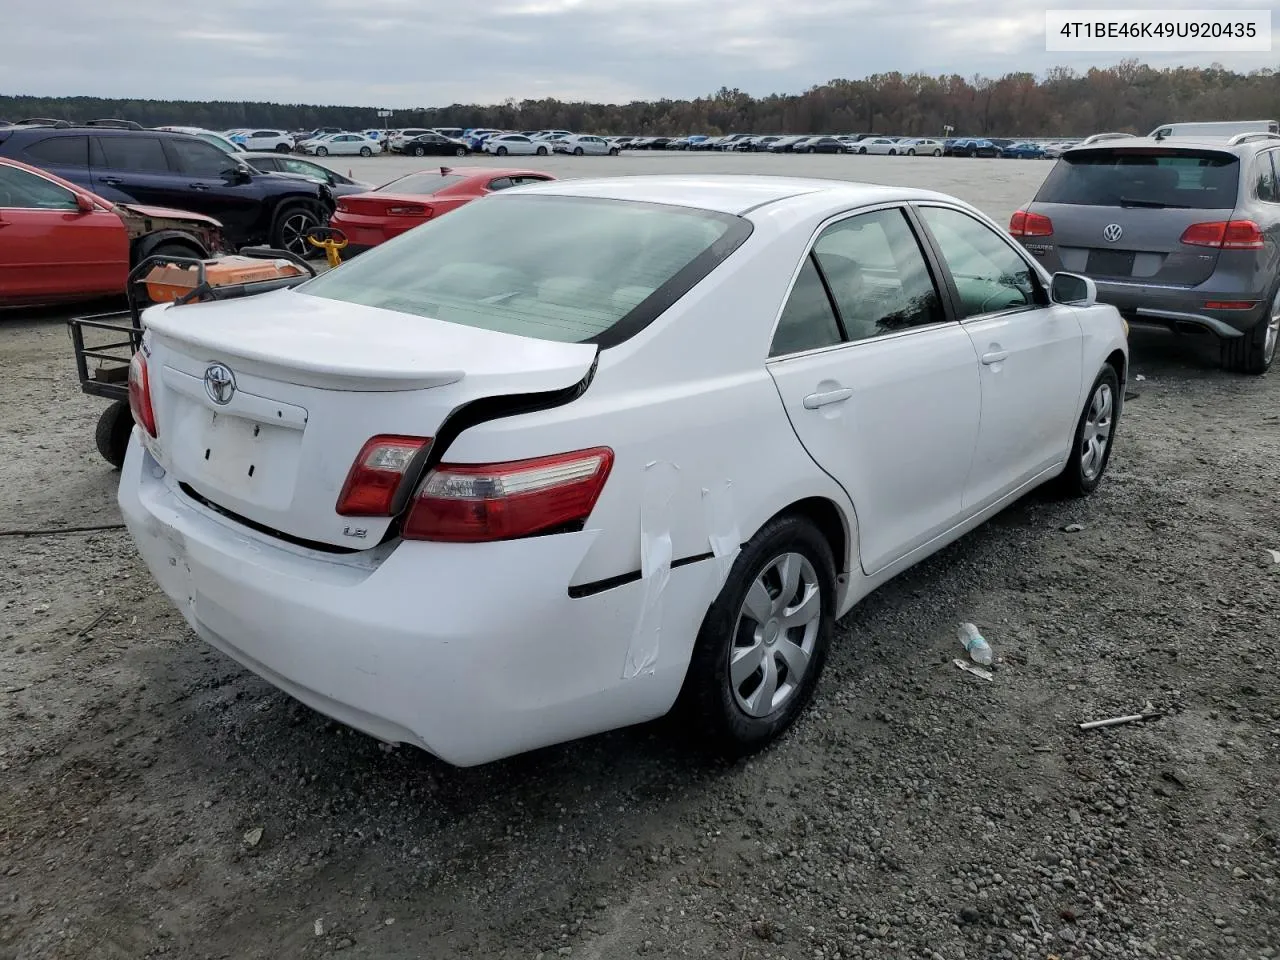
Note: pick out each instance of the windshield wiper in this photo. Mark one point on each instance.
(1152, 204)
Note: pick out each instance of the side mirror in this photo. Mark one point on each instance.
(84, 204)
(240, 174)
(1073, 290)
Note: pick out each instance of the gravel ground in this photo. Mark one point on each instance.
(157, 800)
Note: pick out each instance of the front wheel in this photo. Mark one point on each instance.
(862, 150)
(542, 151)
(460, 152)
(1256, 350)
(366, 152)
(419, 151)
(764, 640)
(1095, 433)
(577, 151)
(292, 224)
(115, 426)
(613, 151)
(911, 152)
(502, 151)
(322, 151)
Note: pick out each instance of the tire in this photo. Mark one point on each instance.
(937, 152)
(728, 720)
(911, 152)
(502, 151)
(893, 153)
(862, 150)
(283, 148)
(460, 152)
(289, 229)
(322, 151)
(844, 150)
(112, 434)
(366, 152)
(1088, 460)
(1254, 352)
(419, 151)
(577, 151)
(613, 151)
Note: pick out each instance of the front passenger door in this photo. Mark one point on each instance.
(211, 187)
(880, 385)
(1029, 351)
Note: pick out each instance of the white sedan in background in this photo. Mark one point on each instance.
(881, 145)
(517, 145)
(585, 145)
(498, 484)
(921, 147)
(342, 144)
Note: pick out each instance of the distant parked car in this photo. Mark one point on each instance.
(276, 140)
(517, 145)
(371, 218)
(225, 144)
(435, 144)
(343, 144)
(177, 171)
(293, 166)
(63, 242)
(885, 146)
(823, 145)
(396, 139)
(1022, 151)
(921, 147)
(586, 144)
(971, 147)
(785, 144)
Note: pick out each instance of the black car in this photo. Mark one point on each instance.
(824, 145)
(436, 145)
(290, 166)
(182, 172)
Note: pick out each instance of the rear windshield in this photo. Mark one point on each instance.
(423, 183)
(1192, 179)
(569, 269)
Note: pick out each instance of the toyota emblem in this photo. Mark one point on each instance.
(219, 383)
(1112, 232)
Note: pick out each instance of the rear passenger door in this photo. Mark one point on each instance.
(1029, 353)
(134, 168)
(879, 382)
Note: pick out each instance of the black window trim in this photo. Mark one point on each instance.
(953, 292)
(1268, 156)
(932, 264)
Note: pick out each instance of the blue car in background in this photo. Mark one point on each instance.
(1023, 151)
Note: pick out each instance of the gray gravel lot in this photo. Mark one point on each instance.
(916, 812)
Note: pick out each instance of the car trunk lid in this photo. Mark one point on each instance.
(262, 404)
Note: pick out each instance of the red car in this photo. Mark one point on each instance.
(61, 242)
(369, 219)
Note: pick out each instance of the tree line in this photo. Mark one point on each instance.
(1129, 97)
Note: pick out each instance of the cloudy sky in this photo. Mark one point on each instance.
(408, 53)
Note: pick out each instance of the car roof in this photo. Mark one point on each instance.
(728, 193)
(1189, 143)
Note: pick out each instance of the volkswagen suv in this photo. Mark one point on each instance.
(1180, 233)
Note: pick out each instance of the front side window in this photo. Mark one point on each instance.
(989, 275)
(877, 275)
(568, 269)
(199, 159)
(20, 189)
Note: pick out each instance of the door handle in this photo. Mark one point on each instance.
(815, 400)
(995, 356)
(111, 181)
(198, 186)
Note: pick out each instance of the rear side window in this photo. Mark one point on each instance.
(67, 151)
(567, 269)
(1144, 177)
(1264, 173)
(422, 183)
(143, 154)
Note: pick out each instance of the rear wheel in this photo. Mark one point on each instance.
(283, 148)
(542, 151)
(1095, 433)
(893, 153)
(502, 151)
(937, 153)
(419, 151)
(911, 151)
(366, 152)
(577, 151)
(460, 152)
(613, 151)
(112, 435)
(764, 640)
(1256, 350)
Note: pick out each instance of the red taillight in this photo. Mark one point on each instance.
(1024, 224)
(470, 503)
(1224, 234)
(375, 477)
(140, 395)
(1230, 304)
(340, 207)
(409, 210)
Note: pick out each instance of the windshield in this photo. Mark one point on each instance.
(558, 268)
(1144, 177)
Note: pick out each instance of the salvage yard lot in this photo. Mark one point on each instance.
(156, 799)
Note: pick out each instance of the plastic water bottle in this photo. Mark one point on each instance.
(978, 648)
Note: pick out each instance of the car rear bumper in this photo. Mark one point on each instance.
(470, 651)
(1183, 307)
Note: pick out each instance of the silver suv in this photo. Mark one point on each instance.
(1181, 233)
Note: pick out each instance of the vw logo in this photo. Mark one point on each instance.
(219, 383)
(1112, 232)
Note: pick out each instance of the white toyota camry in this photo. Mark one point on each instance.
(582, 452)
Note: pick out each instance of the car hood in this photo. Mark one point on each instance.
(168, 213)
